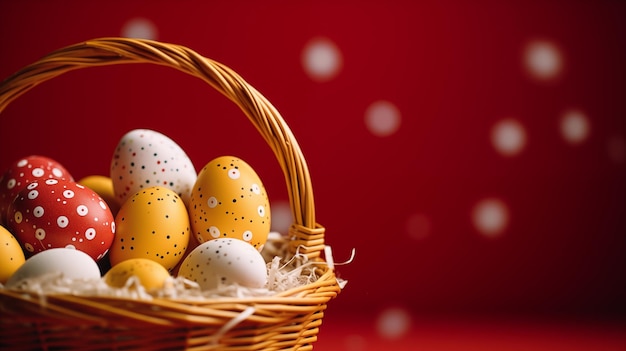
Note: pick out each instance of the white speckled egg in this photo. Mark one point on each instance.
(145, 158)
(72, 263)
(152, 224)
(225, 261)
(229, 200)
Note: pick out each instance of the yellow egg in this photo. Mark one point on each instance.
(150, 274)
(229, 200)
(103, 186)
(11, 255)
(153, 223)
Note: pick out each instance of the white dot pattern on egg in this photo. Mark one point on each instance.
(225, 261)
(145, 158)
(229, 200)
(23, 172)
(57, 213)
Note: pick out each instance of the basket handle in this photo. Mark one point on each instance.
(307, 236)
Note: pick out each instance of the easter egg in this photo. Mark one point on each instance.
(145, 158)
(58, 213)
(225, 261)
(193, 243)
(150, 274)
(152, 224)
(103, 186)
(11, 255)
(71, 263)
(229, 200)
(23, 172)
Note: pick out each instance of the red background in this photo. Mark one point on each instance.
(453, 69)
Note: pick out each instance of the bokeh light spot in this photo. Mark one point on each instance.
(508, 137)
(140, 28)
(575, 126)
(281, 217)
(393, 323)
(543, 59)
(418, 226)
(490, 217)
(321, 59)
(382, 118)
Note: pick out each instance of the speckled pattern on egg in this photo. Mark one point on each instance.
(11, 255)
(145, 158)
(152, 224)
(229, 200)
(225, 261)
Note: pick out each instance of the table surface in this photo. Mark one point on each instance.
(362, 333)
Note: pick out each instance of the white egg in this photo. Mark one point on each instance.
(72, 263)
(225, 261)
(145, 158)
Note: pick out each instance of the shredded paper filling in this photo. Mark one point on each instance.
(282, 275)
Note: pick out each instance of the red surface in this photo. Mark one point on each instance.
(476, 334)
(453, 69)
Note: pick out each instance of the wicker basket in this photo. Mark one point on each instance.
(286, 321)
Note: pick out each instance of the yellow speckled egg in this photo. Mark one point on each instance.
(11, 255)
(153, 223)
(103, 186)
(150, 274)
(229, 200)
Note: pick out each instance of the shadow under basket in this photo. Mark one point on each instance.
(288, 320)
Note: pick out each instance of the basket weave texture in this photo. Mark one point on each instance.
(289, 320)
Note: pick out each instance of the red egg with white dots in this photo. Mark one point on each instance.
(25, 171)
(56, 213)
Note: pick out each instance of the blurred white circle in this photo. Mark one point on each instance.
(490, 217)
(508, 137)
(418, 226)
(393, 323)
(382, 118)
(140, 28)
(282, 219)
(321, 59)
(575, 126)
(543, 59)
